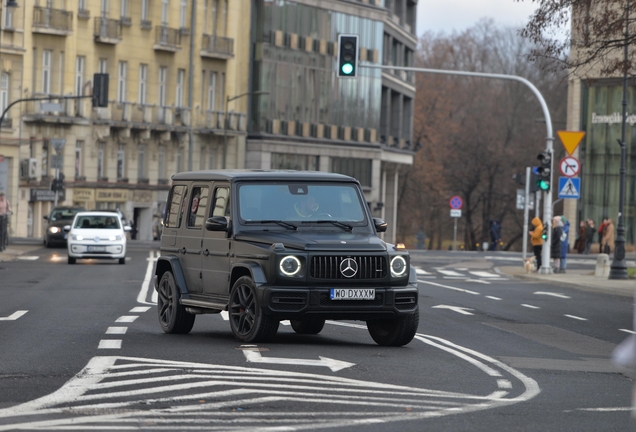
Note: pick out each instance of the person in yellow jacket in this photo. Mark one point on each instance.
(536, 239)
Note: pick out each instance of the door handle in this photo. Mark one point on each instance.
(183, 251)
(206, 252)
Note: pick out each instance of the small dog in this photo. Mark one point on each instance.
(530, 264)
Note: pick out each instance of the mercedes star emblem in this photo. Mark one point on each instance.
(348, 267)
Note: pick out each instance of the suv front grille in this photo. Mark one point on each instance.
(328, 267)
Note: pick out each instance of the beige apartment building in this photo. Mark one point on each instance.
(169, 86)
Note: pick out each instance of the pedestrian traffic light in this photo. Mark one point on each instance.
(544, 234)
(347, 55)
(100, 90)
(534, 187)
(544, 170)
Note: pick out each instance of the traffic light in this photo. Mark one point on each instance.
(543, 171)
(100, 90)
(347, 55)
(544, 234)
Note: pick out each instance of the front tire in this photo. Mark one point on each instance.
(122, 260)
(71, 260)
(173, 317)
(247, 321)
(396, 331)
(309, 326)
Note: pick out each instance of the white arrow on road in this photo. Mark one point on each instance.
(552, 294)
(253, 355)
(14, 316)
(461, 310)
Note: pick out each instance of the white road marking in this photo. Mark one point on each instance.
(485, 274)
(27, 257)
(563, 296)
(493, 298)
(225, 315)
(609, 409)
(140, 309)
(285, 323)
(14, 316)
(461, 310)
(449, 287)
(530, 306)
(420, 271)
(116, 330)
(109, 344)
(504, 383)
(126, 318)
(575, 317)
(253, 355)
(450, 273)
(481, 281)
(628, 331)
(148, 280)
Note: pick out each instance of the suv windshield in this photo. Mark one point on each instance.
(65, 214)
(301, 203)
(95, 222)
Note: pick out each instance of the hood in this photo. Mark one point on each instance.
(537, 222)
(316, 240)
(60, 223)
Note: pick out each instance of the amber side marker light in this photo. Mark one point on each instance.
(400, 246)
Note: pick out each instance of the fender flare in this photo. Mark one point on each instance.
(256, 272)
(171, 263)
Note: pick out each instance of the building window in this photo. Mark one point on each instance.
(124, 8)
(4, 92)
(179, 161)
(121, 162)
(81, 5)
(46, 71)
(211, 159)
(294, 162)
(180, 84)
(202, 158)
(144, 10)
(79, 74)
(161, 163)
(165, 7)
(212, 91)
(45, 158)
(215, 8)
(102, 66)
(8, 16)
(225, 7)
(61, 74)
(183, 8)
(100, 161)
(163, 77)
(141, 163)
(143, 76)
(359, 169)
(78, 158)
(121, 82)
(104, 9)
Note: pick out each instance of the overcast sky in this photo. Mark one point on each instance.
(449, 15)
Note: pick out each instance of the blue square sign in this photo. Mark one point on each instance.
(569, 187)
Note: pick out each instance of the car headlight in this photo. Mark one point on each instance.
(290, 265)
(54, 230)
(77, 237)
(398, 266)
(115, 238)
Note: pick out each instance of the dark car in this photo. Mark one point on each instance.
(268, 246)
(57, 219)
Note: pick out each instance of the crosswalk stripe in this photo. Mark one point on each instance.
(485, 274)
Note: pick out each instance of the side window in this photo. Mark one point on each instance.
(221, 202)
(174, 215)
(198, 204)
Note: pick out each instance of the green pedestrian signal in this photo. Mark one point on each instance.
(543, 185)
(347, 55)
(544, 170)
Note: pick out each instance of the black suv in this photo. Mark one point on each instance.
(268, 246)
(56, 220)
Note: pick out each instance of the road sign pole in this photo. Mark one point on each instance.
(526, 204)
(455, 236)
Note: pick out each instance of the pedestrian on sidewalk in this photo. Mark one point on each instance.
(536, 239)
(608, 237)
(555, 245)
(589, 236)
(601, 229)
(579, 243)
(565, 244)
(5, 209)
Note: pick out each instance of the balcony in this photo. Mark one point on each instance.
(83, 14)
(52, 21)
(107, 30)
(217, 47)
(167, 39)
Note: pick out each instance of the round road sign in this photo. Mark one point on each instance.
(570, 166)
(456, 202)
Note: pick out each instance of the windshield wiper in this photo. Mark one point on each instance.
(333, 222)
(279, 222)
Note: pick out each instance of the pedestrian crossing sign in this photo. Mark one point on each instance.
(569, 187)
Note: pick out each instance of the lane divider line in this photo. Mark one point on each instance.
(116, 330)
(109, 344)
(575, 317)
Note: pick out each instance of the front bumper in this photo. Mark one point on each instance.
(59, 237)
(315, 302)
(83, 250)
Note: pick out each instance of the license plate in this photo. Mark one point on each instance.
(352, 293)
(97, 248)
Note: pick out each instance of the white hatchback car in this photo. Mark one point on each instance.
(97, 235)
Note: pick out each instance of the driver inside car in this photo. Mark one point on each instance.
(306, 207)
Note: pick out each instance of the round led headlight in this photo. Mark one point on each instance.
(398, 266)
(290, 265)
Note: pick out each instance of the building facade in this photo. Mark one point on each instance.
(170, 69)
(304, 117)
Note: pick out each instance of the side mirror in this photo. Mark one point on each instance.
(380, 224)
(45, 217)
(127, 228)
(67, 228)
(216, 223)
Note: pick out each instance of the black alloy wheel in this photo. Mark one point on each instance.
(172, 314)
(308, 326)
(247, 321)
(395, 331)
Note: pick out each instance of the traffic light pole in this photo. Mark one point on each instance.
(526, 205)
(547, 195)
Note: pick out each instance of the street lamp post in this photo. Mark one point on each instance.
(618, 269)
(229, 99)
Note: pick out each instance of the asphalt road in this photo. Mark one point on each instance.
(492, 353)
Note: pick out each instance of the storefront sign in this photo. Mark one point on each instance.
(83, 194)
(614, 118)
(142, 196)
(45, 195)
(111, 195)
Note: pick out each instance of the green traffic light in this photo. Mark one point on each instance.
(544, 185)
(347, 68)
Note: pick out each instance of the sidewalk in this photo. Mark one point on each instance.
(582, 279)
(15, 250)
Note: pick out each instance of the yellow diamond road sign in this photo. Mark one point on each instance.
(570, 140)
